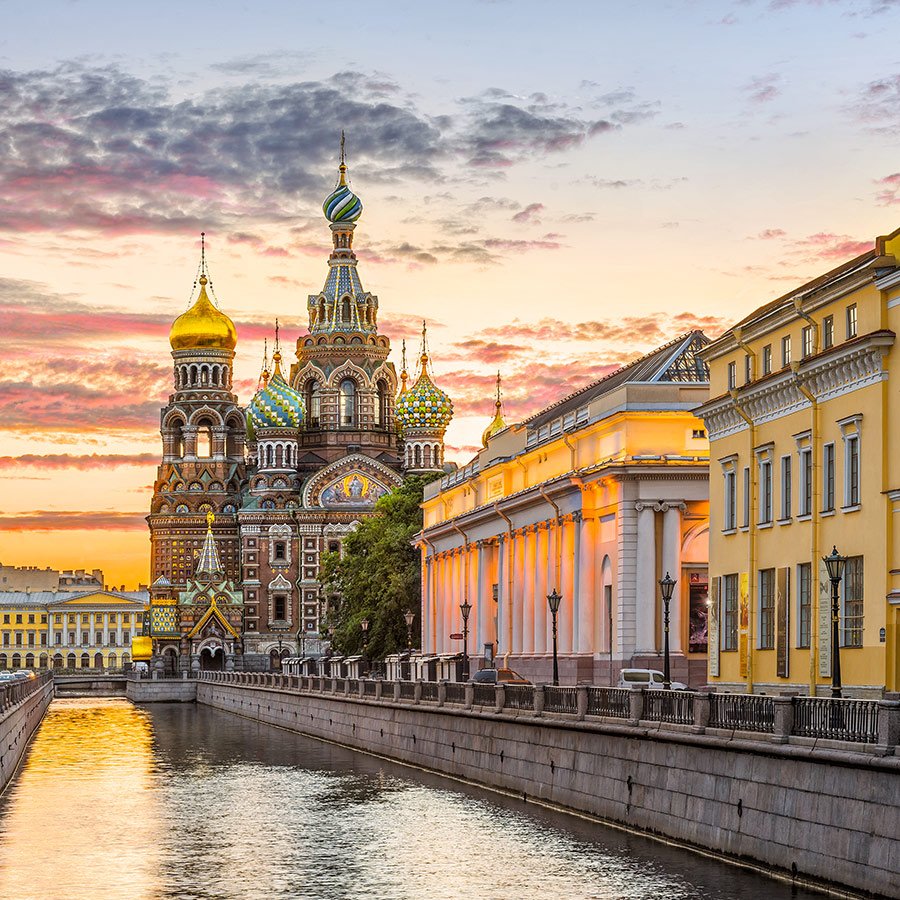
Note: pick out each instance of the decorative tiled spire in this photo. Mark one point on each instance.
(209, 562)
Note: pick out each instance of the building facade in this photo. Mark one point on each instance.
(261, 492)
(597, 496)
(77, 630)
(31, 578)
(803, 416)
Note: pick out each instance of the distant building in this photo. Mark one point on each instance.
(72, 630)
(31, 578)
(597, 496)
(804, 425)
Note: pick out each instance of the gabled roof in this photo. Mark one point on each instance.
(137, 598)
(213, 611)
(678, 362)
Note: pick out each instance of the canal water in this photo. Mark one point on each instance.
(182, 802)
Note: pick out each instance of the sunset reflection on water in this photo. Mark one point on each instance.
(182, 802)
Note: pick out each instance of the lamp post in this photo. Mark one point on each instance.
(410, 617)
(554, 599)
(365, 630)
(465, 608)
(666, 586)
(835, 563)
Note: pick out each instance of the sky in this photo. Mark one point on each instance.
(554, 188)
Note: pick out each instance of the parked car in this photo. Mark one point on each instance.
(7, 676)
(648, 678)
(492, 676)
(24, 673)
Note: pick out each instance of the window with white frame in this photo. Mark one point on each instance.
(730, 501)
(766, 609)
(764, 461)
(850, 429)
(828, 332)
(806, 481)
(852, 598)
(732, 375)
(746, 517)
(748, 369)
(828, 478)
(851, 321)
(785, 351)
(809, 341)
(730, 613)
(804, 603)
(767, 359)
(786, 487)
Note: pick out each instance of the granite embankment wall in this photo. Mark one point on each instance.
(22, 706)
(168, 690)
(829, 816)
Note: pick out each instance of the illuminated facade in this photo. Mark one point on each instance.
(596, 496)
(802, 417)
(287, 478)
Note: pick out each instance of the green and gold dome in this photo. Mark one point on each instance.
(276, 404)
(424, 405)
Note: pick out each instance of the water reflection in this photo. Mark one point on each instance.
(175, 801)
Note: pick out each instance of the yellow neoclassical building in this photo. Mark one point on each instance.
(803, 416)
(62, 630)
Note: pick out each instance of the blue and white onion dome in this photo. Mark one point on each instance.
(424, 405)
(342, 205)
(276, 404)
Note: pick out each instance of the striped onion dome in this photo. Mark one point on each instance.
(276, 404)
(342, 205)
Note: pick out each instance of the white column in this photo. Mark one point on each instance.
(482, 603)
(541, 644)
(518, 568)
(567, 588)
(645, 580)
(584, 621)
(671, 563)
(528, 590)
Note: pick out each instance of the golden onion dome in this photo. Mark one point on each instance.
(497, 425)
(203, 326)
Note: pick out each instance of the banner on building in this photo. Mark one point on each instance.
(782, 607)
(824, 622)
(714, 627)
(698, 613)
(744, 624)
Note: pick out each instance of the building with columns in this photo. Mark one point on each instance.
(598, 496)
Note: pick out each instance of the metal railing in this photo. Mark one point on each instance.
(840, 720)
(370, 688)
(456, 692)
(13, 692)
(675, 707)
(561, 700)
(612, 702)
(353, 686)
(430, 690)
(742, 712)
(484, 695)
(407, 690)
(518, 696)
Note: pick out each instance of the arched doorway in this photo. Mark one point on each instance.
(212, 659)
(170, 661)
(274, 660)
(98, 660)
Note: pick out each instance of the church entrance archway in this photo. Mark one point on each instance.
(170, 661)
(212, 659)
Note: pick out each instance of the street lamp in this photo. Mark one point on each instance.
(835, 563)
(365, 630)
(666, 585)
(465, 608)
(410, 617)
(553, 599)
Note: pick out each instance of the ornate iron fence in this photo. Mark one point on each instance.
(353, 685)
(518, 696)
(369, 688)
(742, 712)
(430, 690)
(613, 702)
(676, 707)
(840, 720)
(407, 690)
(456, 692)
(561, 699)
(485, 695)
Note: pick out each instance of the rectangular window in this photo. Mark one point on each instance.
(31, 620)
(806, 481)
(732, 375)
(851, 470)
(828, 477)
(279, 607)
(18, 620)
(126, 638)
(766, 609)
(98, 638)
(730, 501)
(765, 491)
(809, 341)
(851, 321)
(85, 638)
(827, 332)
(785, 351)
(804, 603)
(30, 638)
(57, 639)
(786, 487)
(730, 614)
(18, 638)
(6, 619)
(43, 638)
(71, 638)
(767, 359)
(853, 602)
(748, 369)
(746, 519)
(5, 638)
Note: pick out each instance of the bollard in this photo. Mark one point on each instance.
(701, 712)
(581, 699)
(539, 699)
(888, 726)
(379, 688)
(396, 692)
(470, 694)
(417, 691)
(635, 705)
(361, 686)
(442, 693)
(784, 719)
(499, 697)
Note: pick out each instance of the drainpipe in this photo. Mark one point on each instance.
(509, 573)
(524, 472)
(746, 348)
(814, 537)
(751, 543)
(571, 447)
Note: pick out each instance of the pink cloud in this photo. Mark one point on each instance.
(53, 520)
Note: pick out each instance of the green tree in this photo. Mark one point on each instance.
(378, 575)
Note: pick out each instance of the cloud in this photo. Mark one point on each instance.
(890, 190)
(878, 104)
(769, 234)
(762, 89)
(529, 214)
(489, 352)
(829, 247)
(59, 520)
(54, 461)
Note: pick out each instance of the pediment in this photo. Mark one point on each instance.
(354, 482)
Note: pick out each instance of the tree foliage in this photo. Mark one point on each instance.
(378, 575)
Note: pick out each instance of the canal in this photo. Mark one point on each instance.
(182, 802)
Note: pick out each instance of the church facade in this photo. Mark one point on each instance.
(247, 500)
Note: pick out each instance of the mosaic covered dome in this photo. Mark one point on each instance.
(342, 205)
(276, 405)
(424, 405)
(203, 326)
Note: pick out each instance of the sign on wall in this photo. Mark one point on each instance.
(744, 622)
(714, 628)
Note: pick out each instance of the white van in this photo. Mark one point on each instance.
(647, 678)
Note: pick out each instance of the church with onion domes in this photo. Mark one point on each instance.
(248, 498)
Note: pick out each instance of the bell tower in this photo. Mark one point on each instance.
(202, 431)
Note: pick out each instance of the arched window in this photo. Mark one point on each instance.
(204, 375)
(85, 661)
(348, 402)
(409, 457)
(29, 660)
(427, 457)
(320, 319)
(16, 661)
(177, 438)
(313, 402)
(215, 375)
(418, 456)
(113, 660)
(381, 404)
(204, 438)
(44, 661)
(70, 661)
(98, 660)
(279, 550)
(345, 311)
